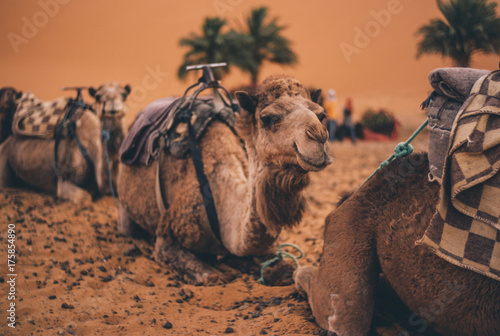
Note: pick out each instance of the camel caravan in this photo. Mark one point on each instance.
(213, 175)
(64, 147)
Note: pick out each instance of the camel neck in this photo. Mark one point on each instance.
(276, 201)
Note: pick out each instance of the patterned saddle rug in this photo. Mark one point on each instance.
(34, 118)
(465, 229)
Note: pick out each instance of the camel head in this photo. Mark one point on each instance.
(281, 122)
(8, 97)
(110, 99)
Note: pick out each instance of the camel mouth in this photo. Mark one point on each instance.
(313, 164)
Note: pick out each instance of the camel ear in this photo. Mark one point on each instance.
(19, 94)
(127, 89)
(315, 95)
(247, 102)
(92, 91)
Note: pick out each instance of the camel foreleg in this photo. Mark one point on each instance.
(341, 292)
(68, 191)
(189, 266)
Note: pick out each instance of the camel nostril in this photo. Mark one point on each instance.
(319, 135)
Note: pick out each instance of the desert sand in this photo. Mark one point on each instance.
(77, 276)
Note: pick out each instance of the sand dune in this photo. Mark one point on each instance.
(363, 49)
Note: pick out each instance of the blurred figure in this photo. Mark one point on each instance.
(348, 125)
(331, 113)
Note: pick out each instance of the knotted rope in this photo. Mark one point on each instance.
(402, 149)
(280, 254)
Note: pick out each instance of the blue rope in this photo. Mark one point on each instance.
(402, 149)
(280, 254)
(105, 138)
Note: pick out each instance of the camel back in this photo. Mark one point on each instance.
(168, 116)
(465, 229)
(34, 118)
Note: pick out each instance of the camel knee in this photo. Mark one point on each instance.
(303, 277)
(125, 223)
(68, 191)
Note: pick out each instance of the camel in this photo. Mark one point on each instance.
(8, 96)
(31, 160)
(256, 187)
(375, 231)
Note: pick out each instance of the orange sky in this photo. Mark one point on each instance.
(76, 42)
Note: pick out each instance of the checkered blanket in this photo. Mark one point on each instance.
(465, 229)
(35, 118)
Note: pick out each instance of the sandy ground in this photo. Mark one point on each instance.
(76, 276)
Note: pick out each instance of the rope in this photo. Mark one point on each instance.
(280, 254)
(105, 138)
(402, 149)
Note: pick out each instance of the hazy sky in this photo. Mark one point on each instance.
(364, 49)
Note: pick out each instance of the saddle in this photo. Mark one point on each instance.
(169, 117)
(464, 119)
(34, 118)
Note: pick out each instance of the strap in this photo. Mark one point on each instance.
(206, 192)
(160, 203)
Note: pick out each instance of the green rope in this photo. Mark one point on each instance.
(402, 149)
(280, 254)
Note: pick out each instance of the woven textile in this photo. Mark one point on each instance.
(35, 118)
(465, 229)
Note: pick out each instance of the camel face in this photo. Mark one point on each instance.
(110, 99)
(286, 128)
(8, 97)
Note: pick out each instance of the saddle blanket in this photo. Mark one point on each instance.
(451, 88)
(35, 118)
(465, 229)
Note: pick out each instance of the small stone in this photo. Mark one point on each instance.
(167, 325)
(52, 297)
(229, 330)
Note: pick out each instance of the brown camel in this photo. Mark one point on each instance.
(256, 188)
(8, 96)
(376, 230)
(32, 159)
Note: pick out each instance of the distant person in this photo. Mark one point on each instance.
(348, 124)
(331, 113)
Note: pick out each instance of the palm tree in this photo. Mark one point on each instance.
(266, 44)
(211, 47)
(471, 26)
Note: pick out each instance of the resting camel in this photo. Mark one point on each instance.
(8, 96)
(256, 187)
(32, 159)
(375, 231)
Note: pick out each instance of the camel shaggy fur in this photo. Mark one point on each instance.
(8, 96)
(375, 231)
(256, 188)
(32, 159)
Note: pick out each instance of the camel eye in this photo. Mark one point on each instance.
(270, 120)
(321, 116)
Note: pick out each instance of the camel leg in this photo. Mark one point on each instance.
(69, 191)
(7, 175)
(185, 262)
(126, 225)
(341, 291)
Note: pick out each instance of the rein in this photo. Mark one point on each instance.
(402, 149)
